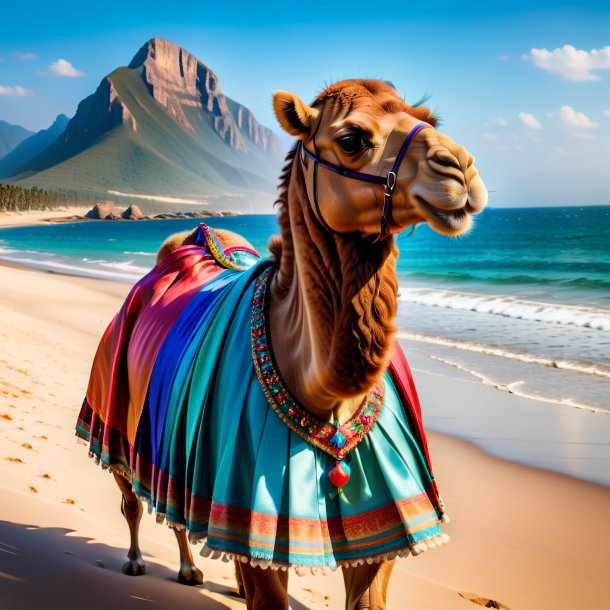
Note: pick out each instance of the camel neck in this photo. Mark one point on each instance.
(331, 309)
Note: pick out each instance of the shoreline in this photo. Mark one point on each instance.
(39, 217)
(444, 356)
(129, 273)
(534, 433)
(62, 525)
(78, 214)
(511, 388)
(419, 351)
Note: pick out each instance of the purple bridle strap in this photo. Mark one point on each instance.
(389, 181)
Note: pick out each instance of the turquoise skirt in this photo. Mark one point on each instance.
(214, 456)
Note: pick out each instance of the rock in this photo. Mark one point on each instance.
(133, 212)
(102, 210)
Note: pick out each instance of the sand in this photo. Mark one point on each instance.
(17, 219)
(526, 538)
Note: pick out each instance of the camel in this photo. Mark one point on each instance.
(295, 442)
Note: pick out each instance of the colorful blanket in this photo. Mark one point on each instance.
(184, 398)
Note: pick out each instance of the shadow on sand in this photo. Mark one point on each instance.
(52, 568)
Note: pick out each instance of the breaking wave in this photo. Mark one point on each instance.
(579, 366)
(510, 307)
(580, 282)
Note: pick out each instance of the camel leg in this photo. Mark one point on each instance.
(189, 574)
(366, 586)
(265, 589)
(239, 581)
(132, 510)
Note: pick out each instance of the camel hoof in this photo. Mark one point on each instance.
(134, 567)
(241, 592)
(190, 576)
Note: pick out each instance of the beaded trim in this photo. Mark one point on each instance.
(336, 440)
(223, 256)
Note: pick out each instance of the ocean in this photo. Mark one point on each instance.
(522, 302)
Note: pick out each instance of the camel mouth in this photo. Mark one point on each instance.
(446, 222)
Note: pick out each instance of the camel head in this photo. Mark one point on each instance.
(358, 127)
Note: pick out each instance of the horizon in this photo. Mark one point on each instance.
(525, 89)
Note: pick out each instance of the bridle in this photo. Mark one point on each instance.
(388, 181)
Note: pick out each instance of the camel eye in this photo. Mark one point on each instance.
(353, 143)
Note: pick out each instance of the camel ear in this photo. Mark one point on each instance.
(294, 116)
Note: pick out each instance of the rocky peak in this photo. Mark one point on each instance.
(94, 116)
(61, 120)
(177, 79)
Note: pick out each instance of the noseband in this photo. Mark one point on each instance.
(388, 182)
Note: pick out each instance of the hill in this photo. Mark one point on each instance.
(11, 136)
(161, 127)
(31, 147)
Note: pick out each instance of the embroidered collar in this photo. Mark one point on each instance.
(336, 440)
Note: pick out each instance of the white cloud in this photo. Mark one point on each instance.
(489, 135)
(503, 57)
(62, 67)
(16, 91)
(25, 56)
(570, 118)
(571, 63)
(606, 113)
(530, 120)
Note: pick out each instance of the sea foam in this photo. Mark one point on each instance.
(510, 307)
(123, 271)
(580, 366)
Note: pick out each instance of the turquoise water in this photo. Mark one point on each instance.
(522, 301)
(557, 253)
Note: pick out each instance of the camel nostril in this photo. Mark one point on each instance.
(445, 159)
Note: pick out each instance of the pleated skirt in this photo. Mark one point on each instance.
(212, 456)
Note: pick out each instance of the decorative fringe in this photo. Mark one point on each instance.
(417, 548)
(107, 467)
(301, 570)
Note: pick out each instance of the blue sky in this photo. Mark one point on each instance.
(524, 85)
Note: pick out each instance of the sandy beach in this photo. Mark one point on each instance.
(18, 219)
(526, 538)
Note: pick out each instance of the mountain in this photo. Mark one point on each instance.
(11, 136)
(31, 147)
(162, 128)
